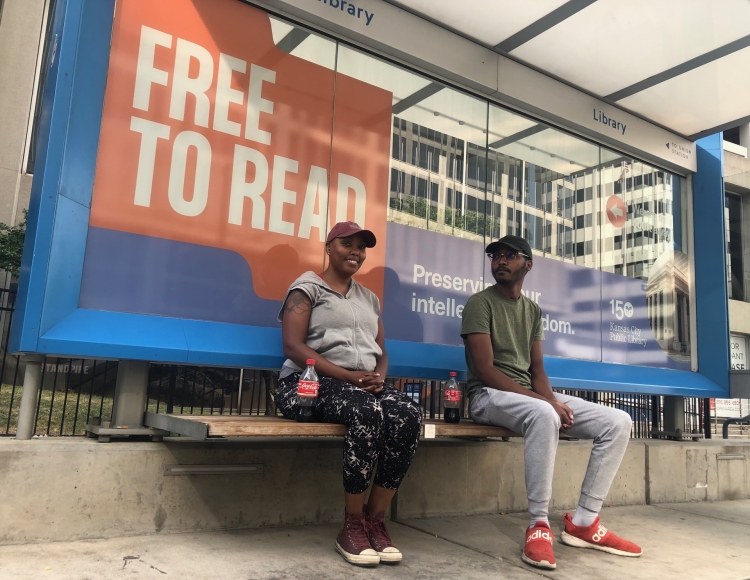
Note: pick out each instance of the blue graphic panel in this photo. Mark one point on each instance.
(627, 336)
(429, 277)
(586, 314)
(139, 274)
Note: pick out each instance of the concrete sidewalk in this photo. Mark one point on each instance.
(694, 540)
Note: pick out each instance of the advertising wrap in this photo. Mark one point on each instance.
(223, 161)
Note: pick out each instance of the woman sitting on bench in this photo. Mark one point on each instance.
(334, 320)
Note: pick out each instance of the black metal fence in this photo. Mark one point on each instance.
(211, 390)
(646, 411)
(206, 390)
(72, 391)
(75, 390)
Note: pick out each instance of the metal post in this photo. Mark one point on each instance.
(130, 394)
(32, 381)
(706, 418)
(674, 415)
(129, 406)
(172, 388)
(239, 395)
(655, 416)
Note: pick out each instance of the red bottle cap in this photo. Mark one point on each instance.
(310, 361)
(452, 373)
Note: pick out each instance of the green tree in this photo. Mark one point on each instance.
(11, 246)
(472, 222)
(415, 206)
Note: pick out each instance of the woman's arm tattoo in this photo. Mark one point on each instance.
(298, 302)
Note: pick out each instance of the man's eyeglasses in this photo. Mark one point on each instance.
(509, 256)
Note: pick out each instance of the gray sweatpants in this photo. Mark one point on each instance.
(539, 424)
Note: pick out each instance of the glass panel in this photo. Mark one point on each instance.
(644, 238)
(436, 193)
(41, 81)
(734, 246)
(438, 156)
(302, 43)
(547, 182)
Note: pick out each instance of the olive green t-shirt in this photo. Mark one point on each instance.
(513, 326)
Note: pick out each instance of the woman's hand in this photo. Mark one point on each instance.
(374, 384)
(365, 380)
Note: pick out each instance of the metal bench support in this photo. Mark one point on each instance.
(674, 421)
(131, 393)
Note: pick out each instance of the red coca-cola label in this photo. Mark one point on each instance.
(308, 389)
(452, 396)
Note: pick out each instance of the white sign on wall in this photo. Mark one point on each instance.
(727, 408)
(738, 352)
(738, 359)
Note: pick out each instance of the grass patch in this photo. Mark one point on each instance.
(56, 414)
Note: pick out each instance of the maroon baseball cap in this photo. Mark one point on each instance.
(346, 229)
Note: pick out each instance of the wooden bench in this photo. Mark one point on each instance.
(204, 427)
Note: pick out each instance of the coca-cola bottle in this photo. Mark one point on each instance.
(452, 400)
(307, 392)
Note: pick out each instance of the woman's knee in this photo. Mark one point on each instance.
(410, 420)
(402, 413)
(412, 413)
(370, 416)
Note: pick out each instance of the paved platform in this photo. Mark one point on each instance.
(694, 540)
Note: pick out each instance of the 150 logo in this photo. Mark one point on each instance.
(621, 309)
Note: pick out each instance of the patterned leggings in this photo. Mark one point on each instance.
(382, 428)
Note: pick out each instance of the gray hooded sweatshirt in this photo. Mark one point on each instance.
(342, 328)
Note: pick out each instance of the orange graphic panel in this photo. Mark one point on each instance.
(212, 135)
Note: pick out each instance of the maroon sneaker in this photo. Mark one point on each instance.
(353, 542)
(380, 539)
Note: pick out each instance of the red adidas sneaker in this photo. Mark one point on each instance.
(538, 548)
(598, 537)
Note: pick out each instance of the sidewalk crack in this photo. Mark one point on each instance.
(128, 559)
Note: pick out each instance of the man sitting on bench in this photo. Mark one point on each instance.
(508, 387)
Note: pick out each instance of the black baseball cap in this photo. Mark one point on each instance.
(514, 243)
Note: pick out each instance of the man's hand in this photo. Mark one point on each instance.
(564, 412)
(366, 381)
